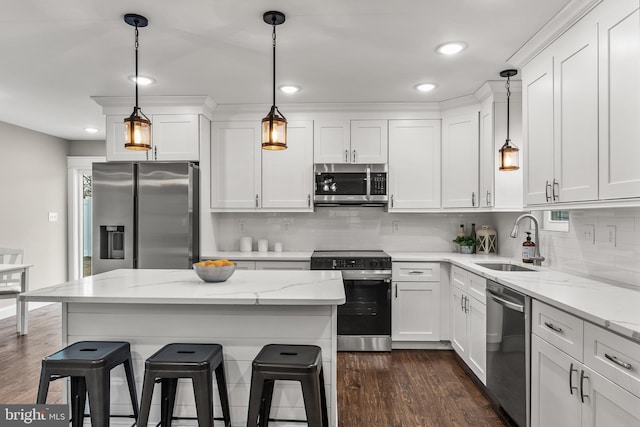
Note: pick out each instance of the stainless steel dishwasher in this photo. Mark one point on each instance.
(508, 350)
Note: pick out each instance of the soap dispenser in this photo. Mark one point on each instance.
(528, 249)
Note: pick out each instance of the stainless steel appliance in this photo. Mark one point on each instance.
(364, 320)
(362, 185)
(508, 349)
(145, 215)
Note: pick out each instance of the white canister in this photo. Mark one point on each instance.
(245, 243)
(277, 247)
(263, 245)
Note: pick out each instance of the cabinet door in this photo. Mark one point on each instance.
(619, 41)
(245, 265)
(176, 137)
(477, 330)
(416, 311)
(115, 142)
(459, 336)
(553, 402)
(487, 155)
(287, 175)
(282, 265)
(332, 141)
(414, 164)
(369, 141)
(576, 114)
(235, 165)
(537, 129)
(606, 404)
(460, 161)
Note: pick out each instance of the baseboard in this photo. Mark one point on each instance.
(421, 345)
(11, 310)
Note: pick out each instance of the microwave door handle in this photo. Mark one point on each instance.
(368, 183)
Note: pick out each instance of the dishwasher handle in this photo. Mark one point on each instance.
(505, 303)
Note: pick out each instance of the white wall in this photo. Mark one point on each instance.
(33, 182)
(582, 252)
(88, 148)
(343, 228)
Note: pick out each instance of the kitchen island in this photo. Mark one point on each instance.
(150, 308)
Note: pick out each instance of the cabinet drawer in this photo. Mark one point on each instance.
(282, 265)
(416, 271)
(558, 328)
(615, 357)
(459, 277)
(245, 265)
(477, 287)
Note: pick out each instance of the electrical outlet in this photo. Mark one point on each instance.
(587, 232)
(241, 227)
(53, 216)
(611, 235)
(395, 226)
(286, 224)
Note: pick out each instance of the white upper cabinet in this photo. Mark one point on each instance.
(246, 178)
(176, 137)
(287, 176)
(619, 40)
(414, 164)
(560, 93)
(115, 142)
(460, 160)
(355, 141)
(235, 165)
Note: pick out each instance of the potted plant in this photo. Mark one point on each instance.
(466, 244)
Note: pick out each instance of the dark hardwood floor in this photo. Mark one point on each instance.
(404, 388)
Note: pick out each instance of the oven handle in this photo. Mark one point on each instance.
(505, 303)
(368, 196)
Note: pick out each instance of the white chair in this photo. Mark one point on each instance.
(11, 284)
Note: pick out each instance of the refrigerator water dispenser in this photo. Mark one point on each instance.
(112, 242)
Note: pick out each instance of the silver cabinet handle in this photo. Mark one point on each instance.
(396, 290)
(462, 302)
(155, 152)
(488, 198)
(547, 187)
(392, 200)
(354, 156)
(416, 272)
(571, 371)
(473, 199)
(257, 203)
(553, 327)
(618, 362)
(553, 191)
(308, 200)
(582, 378)
(346, 156)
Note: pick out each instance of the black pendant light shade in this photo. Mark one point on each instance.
(137, 127)
(274, 125)
(509, 158)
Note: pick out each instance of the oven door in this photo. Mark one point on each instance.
(364, 320)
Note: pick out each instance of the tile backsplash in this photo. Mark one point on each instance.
(602, 243)
(584, 250)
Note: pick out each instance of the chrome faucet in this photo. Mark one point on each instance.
(537, 258)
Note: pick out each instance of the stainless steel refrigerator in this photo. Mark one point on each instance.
(145, 215)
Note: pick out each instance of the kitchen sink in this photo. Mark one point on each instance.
(503, 266)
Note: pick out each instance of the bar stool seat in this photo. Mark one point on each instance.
(301, 363)
(88, 364)
(181, 360)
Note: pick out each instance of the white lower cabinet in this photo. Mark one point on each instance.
(271, 265)
(415, 303)
(469, 320)
(566, 391)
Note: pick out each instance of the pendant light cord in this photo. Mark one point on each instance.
(274, 62)
(136, 45)
(508, 86)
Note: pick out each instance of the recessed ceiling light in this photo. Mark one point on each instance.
(91, 130)
(142, 80)
(289, 89)
(426, 87)
(451, 48)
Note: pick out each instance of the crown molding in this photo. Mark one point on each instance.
(561, 22)
(497, 89)
(178, 104)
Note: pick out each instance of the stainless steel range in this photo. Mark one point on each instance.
(364, 320)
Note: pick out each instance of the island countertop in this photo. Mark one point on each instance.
(245, 287)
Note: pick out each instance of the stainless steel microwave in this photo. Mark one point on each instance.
(350, 185)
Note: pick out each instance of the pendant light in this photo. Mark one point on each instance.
(509, 153)
(274, 125)
(137, 127)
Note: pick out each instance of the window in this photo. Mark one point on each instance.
(555, 221)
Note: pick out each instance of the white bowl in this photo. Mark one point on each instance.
(214, 274)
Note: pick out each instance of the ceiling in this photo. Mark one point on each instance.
(57, 54)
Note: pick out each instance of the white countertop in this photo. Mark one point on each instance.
(245, 287)
(259, 256)
(614, 307)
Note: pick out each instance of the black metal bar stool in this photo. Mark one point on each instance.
(88, 364)
(195, 361)
(301, 363)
